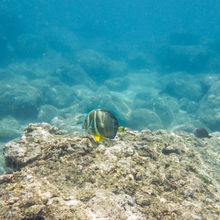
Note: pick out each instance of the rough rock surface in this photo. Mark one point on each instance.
(138, 175)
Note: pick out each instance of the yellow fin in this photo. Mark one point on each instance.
(121, 129)
(97, 137)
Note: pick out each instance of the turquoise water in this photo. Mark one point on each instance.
(154, 64)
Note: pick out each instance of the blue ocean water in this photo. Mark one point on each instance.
(154, 64)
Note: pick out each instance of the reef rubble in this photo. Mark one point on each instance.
(138, 175)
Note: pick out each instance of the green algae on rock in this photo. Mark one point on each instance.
(137, 175)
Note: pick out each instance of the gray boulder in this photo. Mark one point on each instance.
(19, 99)
(55, 93)
(184, 88)
(74, 75)
(47, 113)
(187, 58)
(163, 107)
(209, 108)
(144, 119)
(118, 84)
(99, 67)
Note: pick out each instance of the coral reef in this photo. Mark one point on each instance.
(138, 175)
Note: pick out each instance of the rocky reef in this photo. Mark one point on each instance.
(138, 175)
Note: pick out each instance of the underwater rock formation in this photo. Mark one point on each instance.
(147, 118)
(99, 67)
(187, 58)
(209, 108)
(19, 99)
(47, 113)
(183, 88)
(117, 84)
(70, 76)
(137, 175)
(9, 129)
(161, 109)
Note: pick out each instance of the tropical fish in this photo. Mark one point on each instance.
(201, 133)
(101, 124)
